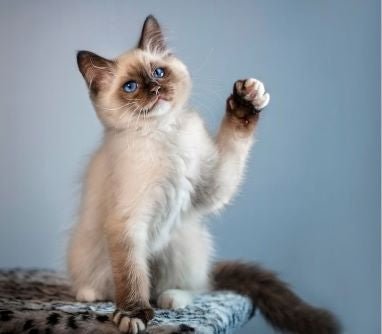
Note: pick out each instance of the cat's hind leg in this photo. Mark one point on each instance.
(182, 269)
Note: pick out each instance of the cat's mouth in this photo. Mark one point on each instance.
(157, 102)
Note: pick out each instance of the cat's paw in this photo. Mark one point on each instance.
(132, 322)
(174, 299)
(244, 104)
(88, 295)
(251, 91)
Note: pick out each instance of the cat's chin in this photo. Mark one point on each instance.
(160, 108)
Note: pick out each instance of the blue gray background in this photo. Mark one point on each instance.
(310, 205)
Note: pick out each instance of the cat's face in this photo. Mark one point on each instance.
(140, 85)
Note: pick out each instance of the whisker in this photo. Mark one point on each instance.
(115, 108)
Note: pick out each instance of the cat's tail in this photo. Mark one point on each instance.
(279, 305)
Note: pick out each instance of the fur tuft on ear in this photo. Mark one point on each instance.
(152, 38)
(97, 71)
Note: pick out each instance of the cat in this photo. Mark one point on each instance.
(140, 235)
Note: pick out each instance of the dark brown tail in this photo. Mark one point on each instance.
(283, 309)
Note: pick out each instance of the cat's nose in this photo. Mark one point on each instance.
(155, 90)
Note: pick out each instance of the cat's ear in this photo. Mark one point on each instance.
(96, 70)
(152, 38)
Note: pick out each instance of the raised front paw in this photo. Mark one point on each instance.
(244, 104)
(250, 91)
(132, 322)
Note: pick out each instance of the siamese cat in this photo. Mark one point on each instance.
(140, 235)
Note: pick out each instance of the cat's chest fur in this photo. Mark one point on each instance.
(164, 167)
(173, 190)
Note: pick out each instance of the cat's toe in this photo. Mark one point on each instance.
(134, 322)
(261, 102)
(131, 325)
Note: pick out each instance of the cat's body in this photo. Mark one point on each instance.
(140, 235)
(155, 176)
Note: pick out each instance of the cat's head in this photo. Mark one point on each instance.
(141, 85)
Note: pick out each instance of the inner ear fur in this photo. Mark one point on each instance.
(96, 70)
(152, 38)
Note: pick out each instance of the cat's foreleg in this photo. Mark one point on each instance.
(233, 141)
(127, 240)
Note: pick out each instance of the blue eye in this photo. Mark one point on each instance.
(130, 86)
(159, 72)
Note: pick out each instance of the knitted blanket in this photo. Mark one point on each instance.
(40, 301)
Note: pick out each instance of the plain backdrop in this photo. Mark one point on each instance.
(309, 206)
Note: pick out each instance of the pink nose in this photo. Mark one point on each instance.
(155, 90)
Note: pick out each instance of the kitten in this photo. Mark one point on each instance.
(140, 235)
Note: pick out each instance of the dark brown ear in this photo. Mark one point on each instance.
(97, 71)
(152, 38)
